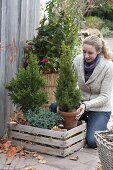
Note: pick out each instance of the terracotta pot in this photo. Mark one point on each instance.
(69, 119)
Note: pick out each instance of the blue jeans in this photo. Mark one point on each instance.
(96, 121)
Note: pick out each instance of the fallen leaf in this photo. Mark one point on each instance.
(43, 161)
(35, 155)
(13, 123)
(98, 166)
(56, 128)
(39, 157)
(19, 148)
(11, 152)
(18, 117)
(6, 145)
(22, 153)
(74, 158)
(28, 152)
(30, 168)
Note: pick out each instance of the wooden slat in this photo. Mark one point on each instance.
(39, 131)
(49, 150)
(75, 139)
(47, 132)
(37, 139)
(47, 141)
(39, 148)
(76, 130)
(74, 148)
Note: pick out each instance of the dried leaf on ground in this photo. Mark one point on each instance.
(39, 157)
(74, 158)
(19, 148)
(7, 148)
(11, 152)
(30, 153)
(43, 161)
(30, 168)
(6, 145)
(22, 153)
(35, 154)
(98, 166)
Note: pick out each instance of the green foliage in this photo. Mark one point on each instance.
(108, 23)
(27, 89)
(106, 32)
(61, 24)
(68, 95)
(104, 10)
(94, 22)
(43, 118)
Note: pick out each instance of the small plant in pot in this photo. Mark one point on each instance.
(68, 95)
(43, 118)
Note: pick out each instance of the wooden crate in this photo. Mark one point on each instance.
(59, 143)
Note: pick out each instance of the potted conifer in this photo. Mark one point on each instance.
(68, 95)
(27, 89)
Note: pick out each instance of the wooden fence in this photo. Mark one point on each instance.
(18, 21)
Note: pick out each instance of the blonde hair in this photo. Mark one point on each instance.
(89, 32)
(99, 45)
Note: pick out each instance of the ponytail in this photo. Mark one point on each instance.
(108, 54)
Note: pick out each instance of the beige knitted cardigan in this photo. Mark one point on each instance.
(96, 92)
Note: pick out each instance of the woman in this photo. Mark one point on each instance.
(95, 79)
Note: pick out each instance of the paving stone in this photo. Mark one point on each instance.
(43, 167)
(86, 160)
(90, 151)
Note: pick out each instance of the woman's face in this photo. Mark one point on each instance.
(89, 52)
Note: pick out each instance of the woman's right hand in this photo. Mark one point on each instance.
(80, 111)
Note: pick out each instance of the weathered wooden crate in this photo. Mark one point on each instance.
(59, 143)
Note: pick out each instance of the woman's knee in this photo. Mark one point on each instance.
(53, 107)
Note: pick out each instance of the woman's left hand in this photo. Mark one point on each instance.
(80, 111)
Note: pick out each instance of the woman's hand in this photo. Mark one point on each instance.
(80, 111)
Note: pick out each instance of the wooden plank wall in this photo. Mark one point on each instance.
(18, 21)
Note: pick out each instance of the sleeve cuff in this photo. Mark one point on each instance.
(87, 105)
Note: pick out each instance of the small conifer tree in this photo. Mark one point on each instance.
(27, 89)
(68, 95)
